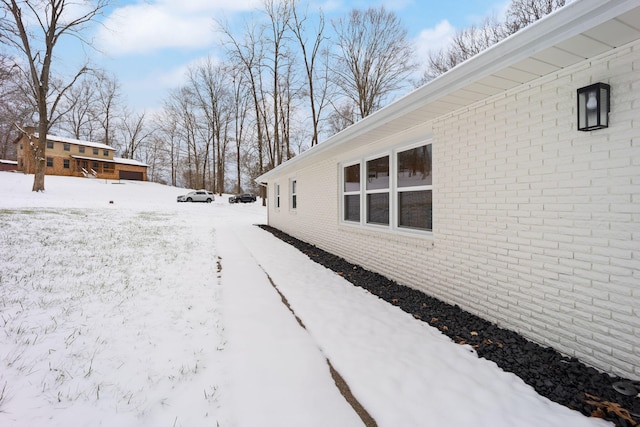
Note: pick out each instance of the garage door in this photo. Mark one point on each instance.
(136, 176)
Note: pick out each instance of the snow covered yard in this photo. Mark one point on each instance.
(145, 312)
(102, 310)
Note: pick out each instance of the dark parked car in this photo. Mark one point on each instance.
(197, 196)
(243, 198)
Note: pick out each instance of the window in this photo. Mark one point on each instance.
(377, 206)
(294, 194)
(66, 147)
(81, 148)
(414, 188)
(108, 168)
(105, 153)
(49, 144)
(96, 151)
(394, 190)
(49, 162)
(65, 163)
(277, 196)
(351, 195)
(95, 165)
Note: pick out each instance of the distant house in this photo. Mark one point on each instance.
(72, 157)
(479, 188)
(8, 165)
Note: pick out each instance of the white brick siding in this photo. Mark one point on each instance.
(536, 225)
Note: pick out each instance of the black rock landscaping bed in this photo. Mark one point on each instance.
(557, 377)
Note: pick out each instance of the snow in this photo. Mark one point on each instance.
(120, 306)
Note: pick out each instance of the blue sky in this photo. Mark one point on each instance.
(148, 44)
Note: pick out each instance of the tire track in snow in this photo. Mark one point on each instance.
(342, 385)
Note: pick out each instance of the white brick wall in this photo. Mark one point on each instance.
(536, 225)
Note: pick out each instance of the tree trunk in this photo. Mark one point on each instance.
(40, 156)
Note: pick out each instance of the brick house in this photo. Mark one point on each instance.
(478, 188)
(72, 157)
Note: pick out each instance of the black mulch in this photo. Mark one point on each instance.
(561, 379)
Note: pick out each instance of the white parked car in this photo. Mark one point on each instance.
(197, 196)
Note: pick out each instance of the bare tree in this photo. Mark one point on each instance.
(275, 76)
(167, 130)
(239, 116)
(288, 93)
(154, 153)
(524, 12)
(80, 102)
(210, 85)
(316, 70)
(343, 116)
(92, 109)
(135, 133)
(465, 44)
(248, 55)
(14, 108)
(108, 107)
(373, 57)
(34, 27)
(473, 40)
(184, 109)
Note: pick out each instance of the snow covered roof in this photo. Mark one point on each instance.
(578, 31)
(77, 142)
(129, 162)
(8, 162)
(119, 160)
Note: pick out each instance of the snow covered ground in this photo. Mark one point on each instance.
(119, 306)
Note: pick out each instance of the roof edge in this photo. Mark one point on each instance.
(64, 139)
(563, 23)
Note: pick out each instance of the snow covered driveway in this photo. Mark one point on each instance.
(145, 312)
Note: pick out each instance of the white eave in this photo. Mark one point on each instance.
(580, 30)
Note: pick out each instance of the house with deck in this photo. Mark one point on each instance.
(72, 157)
(509, 186)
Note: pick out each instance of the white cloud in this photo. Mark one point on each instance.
(151, 26)
(178, 75)
(433, 39)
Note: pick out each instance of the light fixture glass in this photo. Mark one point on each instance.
(594, 106)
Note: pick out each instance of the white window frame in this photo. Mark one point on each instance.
(293, 194)
(344, 192)
(398, 189)
(276, 195)
(364, 206)
(393, 191)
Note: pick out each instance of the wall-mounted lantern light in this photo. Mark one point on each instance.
(594, 106)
